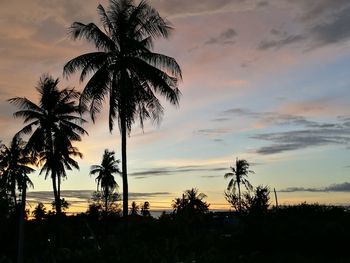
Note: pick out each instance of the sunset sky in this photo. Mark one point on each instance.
(265, 81)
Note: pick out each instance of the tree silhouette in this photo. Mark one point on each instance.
(14, 168)
(54, 124)
(239, 176)
(125, 70)
(253, 203)
(14, 161)
(39, 212)
(134, 209)
(105, 179)
(191, 203)
(145, 209)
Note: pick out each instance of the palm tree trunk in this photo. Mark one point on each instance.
(124, 166)
(106, 201)
(123, 129)
(239, 197)
(54, 175)
(55, 193)
(59, 190)
(13, 193)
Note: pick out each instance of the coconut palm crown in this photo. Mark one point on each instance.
(124, 70)
(239, 176)
(53, 124)
(105, 179)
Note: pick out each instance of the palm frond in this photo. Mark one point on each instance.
(93, 34)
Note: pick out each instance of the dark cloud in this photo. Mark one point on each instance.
(311, 134)
(82, 196)
(301, 139)
(274, 118)
(344, 187)
(262, 4)
(213, 131)
(333, 31)
(318, 9)
(50, 31)
(221, 119)
(175, 170)
(322, 22)
(70, 11)
(224, 38)
(148, 195)
(281, 42)
(185, 7)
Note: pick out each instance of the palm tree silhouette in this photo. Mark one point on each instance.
(105, 179)
(14, 161)
(134, 209)
(239, 176)
(14, 168)
(191, 203)
(145, 209)
(125, 69)
(54, 124)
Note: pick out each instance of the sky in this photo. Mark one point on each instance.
(265, 81)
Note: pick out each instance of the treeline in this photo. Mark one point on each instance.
(300, 233)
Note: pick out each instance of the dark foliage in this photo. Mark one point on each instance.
(303, 233)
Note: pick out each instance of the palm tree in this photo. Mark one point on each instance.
(39, 212)
(54, 124)
(105, 179)
(14, 167)
(239, 175)
(125, 70)
(191, 203)
(145, 209)
(134, 209)
(14, 161)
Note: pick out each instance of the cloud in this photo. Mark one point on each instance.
(344, 187)
(175, 170)
(301, 139)
(281, 42)
(213, 131)
(82, 196)
(262, 4)
(333, 31)
(50, 31)
(322, 23)
(224, 38)
(273, 118)
(318, 9)
(310, 133)
(185, 7)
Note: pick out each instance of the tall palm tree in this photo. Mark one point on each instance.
(53, 124)
(105, 179)
(239, 175)
(124, 69)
